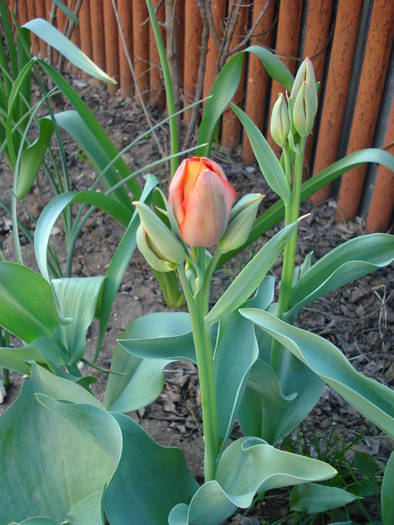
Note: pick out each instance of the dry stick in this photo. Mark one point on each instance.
(228, 34)
(172, 55)
(211, 22)
(250, 33)
(137, 89)
(68, 31)
(201, 72)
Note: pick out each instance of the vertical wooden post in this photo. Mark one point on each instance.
(336, 89)
(231, 127)
(315, 46)
(141, 47)
(40, 13)
(286, 46)
(156, 91)
(111, 44)
(85, 28)
(180, 37)
(97, 29)
(60, 19)
(218, 8)
(48, 7)
(257, 87)
(125, 16)
(31, 13)
(369, 95)
(192, 52)
(382, 202)
(22, 13)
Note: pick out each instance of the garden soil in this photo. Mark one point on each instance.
(358, 319)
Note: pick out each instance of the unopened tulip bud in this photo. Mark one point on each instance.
(154, 261)
(241, 221)
(305, 73)
(305, 108)
(280, 121)
(158, 238)
(201, 198)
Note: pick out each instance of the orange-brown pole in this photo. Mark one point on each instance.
(156, 91)
(180, 38)
(373, 74)
(85, 28)
(218, 8)
(231, 127)
(315, 47)
(97, 28)
(382, 202)
(111, 44)
(60, 19)
(257, 79)
(22, 13)
(48, 7)
(41, 13)
(141, 47)
(286, 46)
(336, 89)
(126, 19)
(192, 52)
(31, 13)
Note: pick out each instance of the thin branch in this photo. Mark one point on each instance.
(137, 89)
(211, 22)
(250, 33)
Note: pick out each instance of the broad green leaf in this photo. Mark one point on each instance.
(267, 160)
(70, 51)
(54, 209)
(251, 276)
(374, 400)
(149, 481)
(89, 511)
(27, 306)
(386, 497)
(66, 11)
(32, 158)
(348, 262)
(314, 498)
(119, 264)
(231, 368)
(226, 84)
(248, 465)
(37, 521)
(276, 212)
(78, 298)
(53, 457)
(98, 132)
(20, 359)
(161, 335)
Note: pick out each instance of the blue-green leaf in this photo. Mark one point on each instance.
(386, 500)
(314, 498)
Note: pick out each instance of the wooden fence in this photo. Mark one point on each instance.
(349, 42)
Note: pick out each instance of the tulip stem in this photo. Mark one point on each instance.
(291, 214)
(204, 356)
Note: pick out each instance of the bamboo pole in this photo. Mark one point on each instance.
(257, 90)
(192, 53)
(85, 28)
(97, 29)
(231, 127)
(22, 13)
(125, 16)
(218, 8)
(317, 38)
(286, 46)
(336, 89)
(31, 13)
(370, 91)
(41, 13)
(382, 201)
(156, 91)
(180, 36)
(111, 44)
(141, 47)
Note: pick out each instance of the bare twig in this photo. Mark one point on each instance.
(211, 22)
(228, 34)
(251, 31)
(68, 29)
(172, 55)
(137, 89)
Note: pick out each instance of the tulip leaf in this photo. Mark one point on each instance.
(20, 359)
(75, 445)
(26, 315)
(78, 299)
(269, 164)
(314, 498)
(276, 212)
(37, 521)
(149, 481)
(251, 276)
(374, 400)
(119, 264)
(55, 208)
(349, 261)
(386, 497)
(70, 51)
(32, 158)
(248, 465)
(225, 86)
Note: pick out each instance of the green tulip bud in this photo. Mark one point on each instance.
(159, 239)
(305, 73)
(305, 108)
(241, 221)
(280, 121)
(154, 261)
